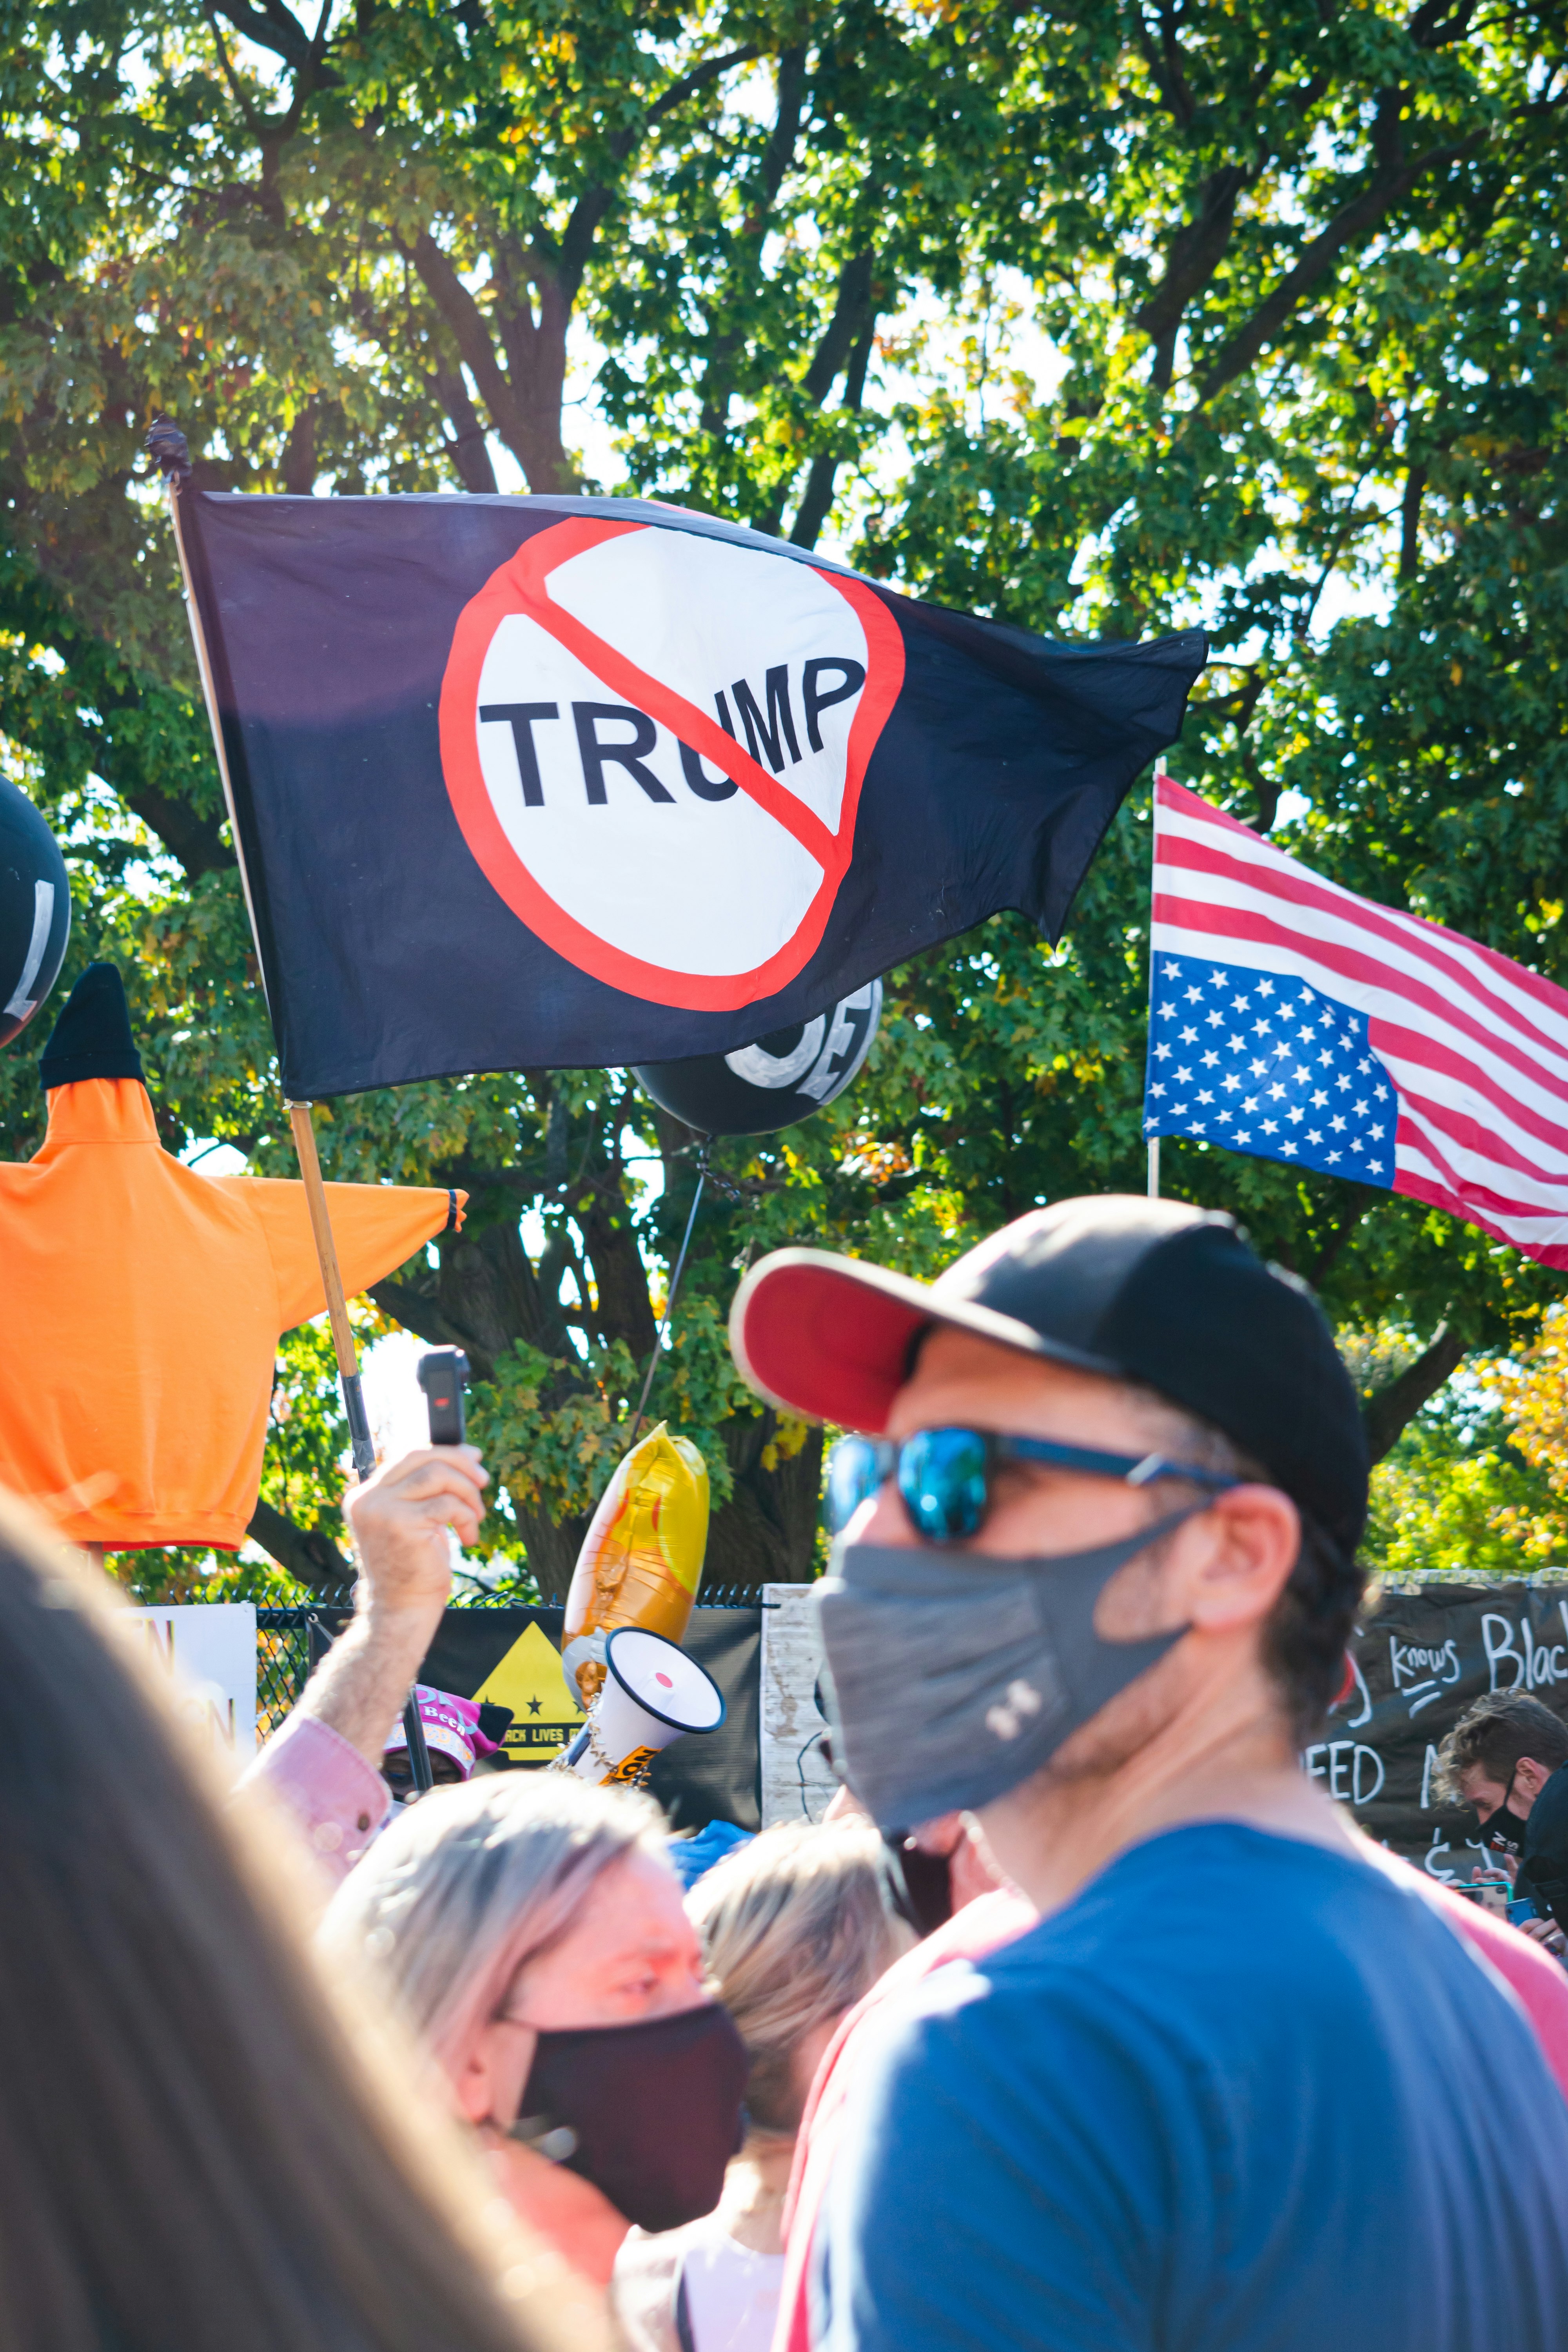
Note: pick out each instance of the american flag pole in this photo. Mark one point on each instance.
(1159, 777)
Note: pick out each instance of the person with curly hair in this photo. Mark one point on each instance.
(796, 1928)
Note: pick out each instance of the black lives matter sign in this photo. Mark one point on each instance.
(1418, 1660)
(655, 745)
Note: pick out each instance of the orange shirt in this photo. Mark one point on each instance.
(141, 1305)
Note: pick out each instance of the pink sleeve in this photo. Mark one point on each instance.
(1537, 1979)
(978, 1929)
(338, 1801)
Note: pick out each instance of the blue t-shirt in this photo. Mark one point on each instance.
(1245, 2094)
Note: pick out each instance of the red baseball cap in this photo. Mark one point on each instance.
(1150, 1291)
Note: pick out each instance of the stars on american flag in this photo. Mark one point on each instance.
(1262, 1063)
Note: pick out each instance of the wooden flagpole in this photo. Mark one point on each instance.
(301, 1121)
(167, 446)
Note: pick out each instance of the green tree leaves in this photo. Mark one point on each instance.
(1098, 318)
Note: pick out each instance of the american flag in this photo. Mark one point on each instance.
(1292, 1020)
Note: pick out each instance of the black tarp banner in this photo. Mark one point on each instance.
(1421, 1657)
(523, 782)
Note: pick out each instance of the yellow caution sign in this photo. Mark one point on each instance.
(528, 1680)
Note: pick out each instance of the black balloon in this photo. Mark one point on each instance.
(784, 1077)
(35, 911)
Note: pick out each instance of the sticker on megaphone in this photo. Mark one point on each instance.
(653, 1694)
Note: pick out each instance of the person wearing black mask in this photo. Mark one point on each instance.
(1508, 1757)
(531, 1932)
(1238, 2084)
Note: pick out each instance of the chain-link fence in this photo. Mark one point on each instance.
(290, 1641)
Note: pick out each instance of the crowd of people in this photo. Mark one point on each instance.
(1187, 2061)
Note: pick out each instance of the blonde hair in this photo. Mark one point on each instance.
(471, 1884)
(196, 2146)
(795, 1929)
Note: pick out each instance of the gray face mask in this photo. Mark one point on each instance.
(957, 1674)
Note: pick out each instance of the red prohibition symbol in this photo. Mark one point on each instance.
(654, 741)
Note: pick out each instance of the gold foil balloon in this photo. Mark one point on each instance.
(641, 1559)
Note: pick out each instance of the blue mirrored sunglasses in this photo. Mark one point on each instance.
(945, 1474)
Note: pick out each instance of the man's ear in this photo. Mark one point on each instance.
(1531, 1776)
(1245, 1545)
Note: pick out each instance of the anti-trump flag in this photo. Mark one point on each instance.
(1292, 1020)
(557, 780)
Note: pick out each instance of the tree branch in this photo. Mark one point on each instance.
(1167, 67)
(418, 1313)
(850, 306)
(271, 26)
(777, 156)
(299, 467)
(1387, 1413)
(817, 503)
(307, 1554)
(248, 116)
(195, 841)
(779, 152)
(467, 450)
(1410, 523)
(689, 84)
(1336, 1241)
(467, 322)
(576, 244)
(1197, 251)
(1355, 221)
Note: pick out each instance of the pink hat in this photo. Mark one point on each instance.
(451, 1726)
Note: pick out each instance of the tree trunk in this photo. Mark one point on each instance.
(766, 1532)
(487, 1295)
(1387, 1413)
(552, 1546)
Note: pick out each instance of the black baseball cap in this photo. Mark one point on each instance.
(1151, 1291)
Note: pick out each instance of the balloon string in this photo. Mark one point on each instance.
(669, 1295)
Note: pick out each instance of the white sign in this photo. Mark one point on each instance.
(798, 1784)
(209, 1649)
(654, 742)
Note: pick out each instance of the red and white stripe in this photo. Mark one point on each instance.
(1477, 1046)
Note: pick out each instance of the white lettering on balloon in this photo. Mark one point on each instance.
(826, 1058)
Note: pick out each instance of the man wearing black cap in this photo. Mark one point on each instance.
(1240, 2088)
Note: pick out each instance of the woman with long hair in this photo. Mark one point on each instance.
(796, 1928)
(197, 2146)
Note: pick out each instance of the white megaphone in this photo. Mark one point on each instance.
(653, 1693)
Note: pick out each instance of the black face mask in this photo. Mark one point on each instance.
(1504, 1829)
(652, 2110)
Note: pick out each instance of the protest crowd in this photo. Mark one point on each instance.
(300, 2064)
(1081, 2017)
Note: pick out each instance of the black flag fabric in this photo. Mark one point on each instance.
(574, 780)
